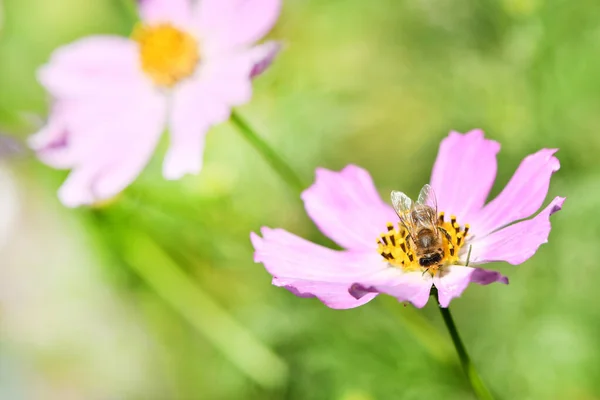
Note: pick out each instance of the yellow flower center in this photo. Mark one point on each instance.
(405, 249)
(167, 54)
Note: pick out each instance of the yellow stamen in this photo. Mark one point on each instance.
(398, 249)
(167, 54)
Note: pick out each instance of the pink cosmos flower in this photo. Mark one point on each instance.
(346, 207)
(185, 66)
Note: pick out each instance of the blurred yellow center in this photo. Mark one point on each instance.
(167, 54)
(400, 249)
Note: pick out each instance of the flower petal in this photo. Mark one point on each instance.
(108, 153)
(464, 173)
(347, 208)
(263, 55)
(201, 103)
(157, 11)
(516, 243)
(106, 120)
(50, 141)
(405, 286)
(485, 277)
(191, 117)
(310, 270)
(456, 278)
(93, 67)
(523, 195)
(227, 78)
(226, 24)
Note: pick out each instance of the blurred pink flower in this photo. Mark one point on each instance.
(346, 207)
(185, 66)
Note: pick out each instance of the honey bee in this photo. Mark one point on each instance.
(421, 222)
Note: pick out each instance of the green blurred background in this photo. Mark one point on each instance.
(155, 296)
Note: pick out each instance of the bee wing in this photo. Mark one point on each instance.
(403, 206)
(401, 203)
(427, 197)
(430, 214)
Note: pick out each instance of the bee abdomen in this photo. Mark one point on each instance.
(430, 260)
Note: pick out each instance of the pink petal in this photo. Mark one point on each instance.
(76, 190)
(452, 283)
(191, 113)
(108, 154)
(227, 78)
(263, 56)
(226, 24)
(201, 103)
(516, 243)
(310, 270)
(456, 278)
(157, 11)
(105, 133)
(485, 277)
(347, 208)
(106, 120)
(464, 173)
(404, 286)
(50, 141)
(522, 196)
(92, 67)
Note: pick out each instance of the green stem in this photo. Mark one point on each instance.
(477, 384)
(239, 345)
(270, 156)
(432, 340)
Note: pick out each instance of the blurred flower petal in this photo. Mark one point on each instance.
(263, 55)
(50, 142)
(233, 23)
(94, 67)
(346, 207)
(109, 153)
(227, 78)
(188, 126)
(201, 103)
(464, 173)
(158, 11)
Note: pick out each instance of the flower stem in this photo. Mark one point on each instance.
(477, 384)
(270, 156)
(239, 345)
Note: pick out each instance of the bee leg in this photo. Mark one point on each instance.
(445, 232)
